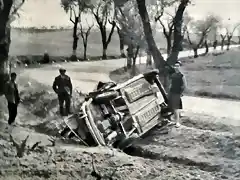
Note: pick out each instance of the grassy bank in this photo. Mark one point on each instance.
(210, 76)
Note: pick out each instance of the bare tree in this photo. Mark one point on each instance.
(229, 35)
(85, 34)
(102, 14)
(120, 35)
(128, 21)
(223, 38)
(8, 11)
(167, 28)
(75, 9)
(201, 28)
(213, 33)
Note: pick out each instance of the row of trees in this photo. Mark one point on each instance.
(135, 22)
(124, 17)
(206, 33)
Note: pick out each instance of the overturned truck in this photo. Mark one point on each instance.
(117, 114)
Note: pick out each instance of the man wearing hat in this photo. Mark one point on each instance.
(62, 86)
(178, 85)
(13, 98)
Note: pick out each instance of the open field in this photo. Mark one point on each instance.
(216, 76)
(59, 43)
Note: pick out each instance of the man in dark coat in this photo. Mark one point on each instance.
(13, 98)
(62, 86)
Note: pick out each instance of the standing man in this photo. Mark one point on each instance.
(62, 86)
(178, 85)
(13, 98)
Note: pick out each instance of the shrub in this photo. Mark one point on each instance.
(73, 58)
(46, 58)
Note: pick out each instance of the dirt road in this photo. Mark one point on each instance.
(85, 76)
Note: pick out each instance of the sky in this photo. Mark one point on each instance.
(39, 13)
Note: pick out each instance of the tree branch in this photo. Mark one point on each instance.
(71, 16)
(111, 32)
(164, 28)
(204, 34)
(223, 37)
(85, 34)
(172, 16)
(89, 29)
(157, 18)
(15, 11)
(235, 28)
(188, 37)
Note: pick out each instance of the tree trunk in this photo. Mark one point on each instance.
(104, 54)
(129, 62)
(85, 51)
(134, 61)
(74, 52)
(149, 59)
(121, 41)
(222, 44)
(75, 43)
(215, 44)
(169, 45)
(5, 41)
(195, 50)
(105, 40)
(206, 48)
(178, 37)
(228, 46)
(228, 43)
(129, 57)
(157, 56)
(75, 40)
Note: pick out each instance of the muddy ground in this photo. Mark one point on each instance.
(204, 147)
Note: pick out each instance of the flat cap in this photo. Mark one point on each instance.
(62, 69)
